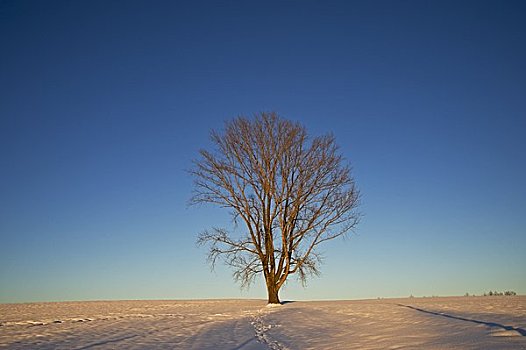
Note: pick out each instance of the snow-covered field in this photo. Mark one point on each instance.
(415, 323)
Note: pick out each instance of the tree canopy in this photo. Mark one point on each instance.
(289, 192)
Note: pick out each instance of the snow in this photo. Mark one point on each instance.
(412, 323)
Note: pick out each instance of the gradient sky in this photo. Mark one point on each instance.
(103, 105)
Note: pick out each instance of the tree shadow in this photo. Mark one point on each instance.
(489, 324)
(245, 343)
(109, 341)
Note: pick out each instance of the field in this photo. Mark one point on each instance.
(412, 323)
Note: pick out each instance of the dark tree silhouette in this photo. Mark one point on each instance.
(289, 192)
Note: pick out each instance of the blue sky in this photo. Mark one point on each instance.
(104, 104)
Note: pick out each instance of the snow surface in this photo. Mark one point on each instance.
(413, 323)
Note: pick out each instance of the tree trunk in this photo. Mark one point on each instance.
(273, 297)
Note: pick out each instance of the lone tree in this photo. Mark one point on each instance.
(289, 192)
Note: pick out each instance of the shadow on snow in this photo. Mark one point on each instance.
(489, 324)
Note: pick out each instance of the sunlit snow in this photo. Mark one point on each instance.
(412, 323)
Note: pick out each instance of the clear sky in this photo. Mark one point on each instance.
(103, 105)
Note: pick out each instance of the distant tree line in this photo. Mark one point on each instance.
(495, 293)
(498, 294)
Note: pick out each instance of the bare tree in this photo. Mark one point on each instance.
(289, 192)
